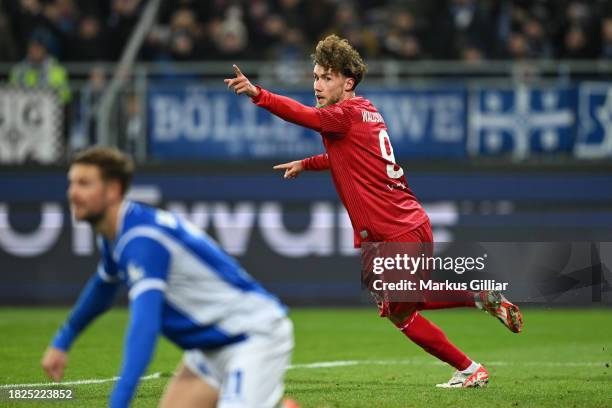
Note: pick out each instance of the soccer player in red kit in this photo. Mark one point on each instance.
(374, 190)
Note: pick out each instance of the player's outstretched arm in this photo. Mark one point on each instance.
(314, 163)
(281, 106)
(96, 298)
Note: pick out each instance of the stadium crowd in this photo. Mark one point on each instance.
(195, 30)
(38, 37)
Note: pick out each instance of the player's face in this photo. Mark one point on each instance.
(88, 193)
(329, 86)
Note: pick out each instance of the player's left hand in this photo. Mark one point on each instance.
(292, 169)
(241, 84)
(54, 363)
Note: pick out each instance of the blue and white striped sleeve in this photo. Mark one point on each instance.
(146, 262)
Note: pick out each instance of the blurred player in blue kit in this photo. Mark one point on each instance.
(236, 336)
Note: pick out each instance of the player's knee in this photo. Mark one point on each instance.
(402, 319)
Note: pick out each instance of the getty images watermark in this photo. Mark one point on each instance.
(383, 266)
(540, 272)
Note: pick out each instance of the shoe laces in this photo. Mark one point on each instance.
(458, 376)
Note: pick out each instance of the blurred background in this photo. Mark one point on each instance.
(500, 113)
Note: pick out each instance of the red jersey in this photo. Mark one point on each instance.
(370, 184)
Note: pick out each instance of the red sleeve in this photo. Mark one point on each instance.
(288, 109)
(316, 163)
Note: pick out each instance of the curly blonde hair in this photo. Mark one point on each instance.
(336, 53)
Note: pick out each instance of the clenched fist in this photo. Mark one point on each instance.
(54, 362)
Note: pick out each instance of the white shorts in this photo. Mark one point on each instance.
(249, 374)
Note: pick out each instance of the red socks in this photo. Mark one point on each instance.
(434, 341)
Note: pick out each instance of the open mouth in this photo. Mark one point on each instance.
(319, 99)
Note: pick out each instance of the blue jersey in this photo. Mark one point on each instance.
(181, 284)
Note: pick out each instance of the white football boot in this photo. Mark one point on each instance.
(479, 378)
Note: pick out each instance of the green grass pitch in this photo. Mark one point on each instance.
(562, 359)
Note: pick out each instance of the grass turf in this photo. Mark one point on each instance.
(562, 359)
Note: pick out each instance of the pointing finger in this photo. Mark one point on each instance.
(237, 71)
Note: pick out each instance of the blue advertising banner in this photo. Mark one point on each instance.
(594, 139)
(194, 122)
(443, 122)
(294, 236)
(427, 122)
(521, 121)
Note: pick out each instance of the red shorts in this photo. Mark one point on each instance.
(385, 307)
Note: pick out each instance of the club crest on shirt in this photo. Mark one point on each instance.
(165, 219)
(134, 272)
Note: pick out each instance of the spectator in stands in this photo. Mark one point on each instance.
(229, 29)
(402, 40)
(187, 40)
(84, 126)
(292, 13)
(123, 18)
(131, 124)
(471, 54)
(406, 47)
(457, 23)
(63, 15)
(28, 15)
(270, 35)
(89, 44)
(606, 38)
(40, 70)
(182, 39)
(348, 23)
(8, 50)
(363, 40)
(292, 47)
(317, 16)
(537, 39)
(203, 10)
(522, 31)
(575, 44)
(517, 46)
(231, 36)
(345, 18)
(580, 32)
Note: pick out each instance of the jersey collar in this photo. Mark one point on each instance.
(123, 210)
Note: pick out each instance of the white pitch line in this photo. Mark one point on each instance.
(333, 364)
(78, 382)
(326, 364)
